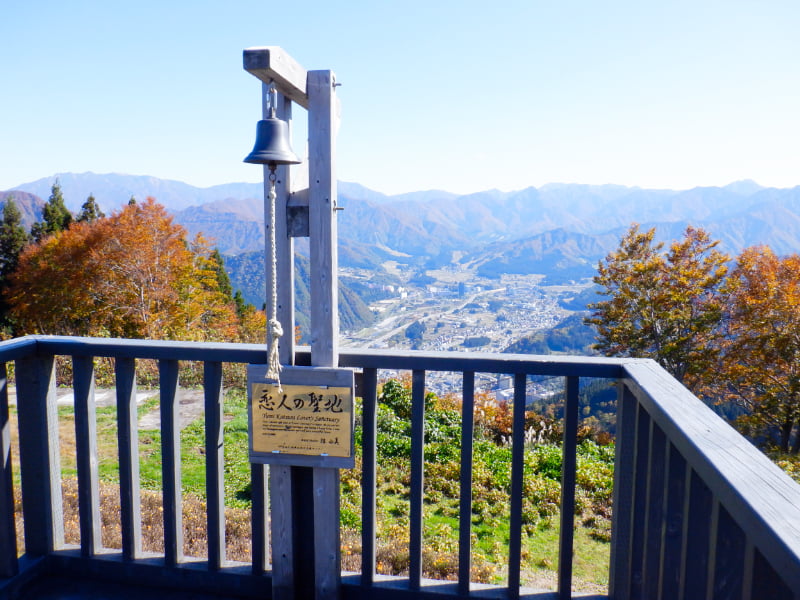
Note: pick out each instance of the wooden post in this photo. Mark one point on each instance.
(305, 500)
(324, 310)
(322, 219)
(86, 455)
(39, 455)
(8, 536)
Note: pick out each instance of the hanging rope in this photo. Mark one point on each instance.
(275, 331)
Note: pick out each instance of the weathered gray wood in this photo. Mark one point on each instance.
(280, 492)
(728, 558)
(757, 494)
(215, 464)
(368, 474)
(713, 545)
(465, 485)
(747, 574)
(259, 481)
(696, 538)
(272, 63)
(654, 520)
(327, 559)
(148, 578)
(86, 454)
(517, 474)
(128, 440)
(417, 488)
(639, 512)
(624, 461)
(568, 468)
(8, 536)
(322, 219)
(172, 494)
(671, 549)
(480, 362)
(39, 455)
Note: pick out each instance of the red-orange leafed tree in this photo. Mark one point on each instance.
(760, 362)
(133, 274)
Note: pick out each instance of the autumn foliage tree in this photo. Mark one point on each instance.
(759, 365)
(133, 274)
(661, 304)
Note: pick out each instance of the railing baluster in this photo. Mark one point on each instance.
(639, 513)
(9, 565)
(40, 463)
(172, 493)
(728, 557)
(620, 563)
(696, 536)
(517, 464)
(259, 480)
(280, 494)
(369, 412)
(215, 463)
(654, 516)
(568, 465)
(465, 488)
(128, 438)
(86, 454)
(766, 582)
(673, 526)
(416, 495)
(747, 571)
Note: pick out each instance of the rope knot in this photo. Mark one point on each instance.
(275, 329)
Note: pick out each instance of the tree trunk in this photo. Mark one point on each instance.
(796, 443)
(786, 432)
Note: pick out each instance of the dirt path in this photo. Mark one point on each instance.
(191, 404)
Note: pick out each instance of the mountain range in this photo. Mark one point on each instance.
(560, 230)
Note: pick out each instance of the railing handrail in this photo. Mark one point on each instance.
(753, 489)
(479, 362)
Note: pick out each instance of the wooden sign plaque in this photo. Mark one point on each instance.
(307, 422)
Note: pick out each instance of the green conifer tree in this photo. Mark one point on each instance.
(13, 239)
(55, 215)
(90, 211)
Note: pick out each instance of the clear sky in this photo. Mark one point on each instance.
(456, 95)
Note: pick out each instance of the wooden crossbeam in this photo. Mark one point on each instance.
(272, 63)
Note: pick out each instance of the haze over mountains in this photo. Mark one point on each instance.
(560, 230)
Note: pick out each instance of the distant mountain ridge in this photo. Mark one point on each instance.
(557, 227)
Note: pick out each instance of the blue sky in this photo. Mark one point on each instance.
(455, 95)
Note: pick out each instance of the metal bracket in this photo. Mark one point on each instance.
(297, 214)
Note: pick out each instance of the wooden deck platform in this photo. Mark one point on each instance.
(65, 588)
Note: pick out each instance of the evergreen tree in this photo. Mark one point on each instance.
(13, 239)
(90, 211)
(55, 215)
(132, 201)
(223, 280)
(243, 309)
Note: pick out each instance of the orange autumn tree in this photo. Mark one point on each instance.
(760, 359)
(133, 274)
(661, 304)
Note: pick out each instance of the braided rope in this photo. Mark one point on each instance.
(274, 328)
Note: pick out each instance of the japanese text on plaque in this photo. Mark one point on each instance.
(301, 419)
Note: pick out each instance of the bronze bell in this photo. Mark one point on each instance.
(272, 144)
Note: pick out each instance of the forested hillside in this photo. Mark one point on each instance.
(248, 274)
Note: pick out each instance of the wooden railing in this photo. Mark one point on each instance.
(698, 512)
